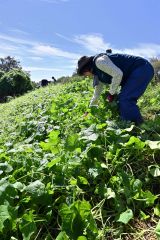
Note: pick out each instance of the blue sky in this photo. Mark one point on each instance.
(48, 36)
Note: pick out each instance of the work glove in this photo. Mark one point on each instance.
(110, 97)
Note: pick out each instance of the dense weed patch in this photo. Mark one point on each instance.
(69, 176)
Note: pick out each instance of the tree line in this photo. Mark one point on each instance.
(14, 81)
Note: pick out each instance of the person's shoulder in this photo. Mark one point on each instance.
(99, 55)
(101, 58)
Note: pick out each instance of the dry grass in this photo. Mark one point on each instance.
(141, 230)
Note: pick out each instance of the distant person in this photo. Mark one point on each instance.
(54, 80)
(44, 82)
(132, 73)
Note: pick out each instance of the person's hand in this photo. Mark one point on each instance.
(110, 97)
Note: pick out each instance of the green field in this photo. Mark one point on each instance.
(67, 176)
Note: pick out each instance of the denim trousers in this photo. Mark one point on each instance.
(131, 90)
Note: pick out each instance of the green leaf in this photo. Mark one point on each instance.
(49, 146)
(92, 137)
(4, 215)
(53, 162)
(154, 170)
(89, 134)
(5, 167)
(18, 185)
(53, 108)
(109, 193)
(149, 198)
(81, 238)
(71, 142)
(126, 216)
(7, 192)
(103, 165)
(86, 218)
(62, 236)
(3, 156)
(36, 188)
(46, 146)
(157, 210)
(153, 144)
(73, 181)
(93, 172)
(83, 180)
(143, 216)
(129, 129)
(137, 186)
(136, 142)
(27, 226)
(54, 137)
(67, 215)
(78, 214)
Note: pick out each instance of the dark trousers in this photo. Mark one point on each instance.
(132, 89)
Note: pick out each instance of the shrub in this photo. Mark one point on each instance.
(15, 82)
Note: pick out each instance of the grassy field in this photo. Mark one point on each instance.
(64, 175)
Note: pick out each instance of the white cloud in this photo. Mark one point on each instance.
(65, 38)
(7, 47)
(35, 58)
(92, 42)
(52, 51)
(37, 48)
(18, 31)
(95, 43)
(41, 59)
(17, 40)
(30, 68)
(145, 50)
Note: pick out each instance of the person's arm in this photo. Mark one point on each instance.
(97, 92)
(106, 65)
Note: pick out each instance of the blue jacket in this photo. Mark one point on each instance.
(127, 64)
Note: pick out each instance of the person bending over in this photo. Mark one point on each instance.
(132, 73)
